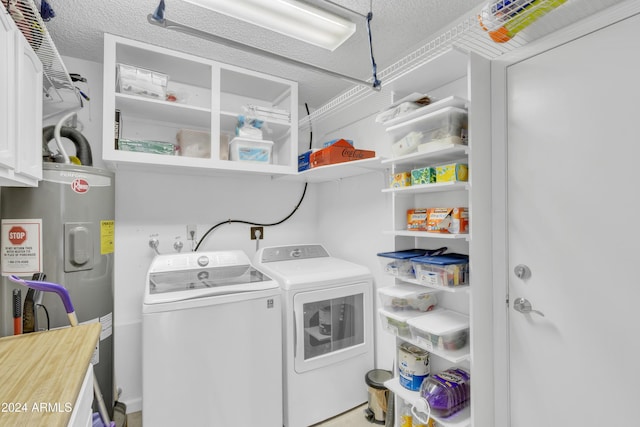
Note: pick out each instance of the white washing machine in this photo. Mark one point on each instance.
(211, 342)
(328, 330)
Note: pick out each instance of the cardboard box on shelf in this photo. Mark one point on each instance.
(448, 220)
(400, 179)
(417, 219)
(425, 175)
(339, 152)
(452, 172)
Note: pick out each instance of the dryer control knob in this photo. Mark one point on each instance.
(295, 253)
(203, 261)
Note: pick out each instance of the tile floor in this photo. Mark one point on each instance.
(353, 418)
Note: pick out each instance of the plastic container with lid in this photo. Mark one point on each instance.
(405, 296)
(398, 263)
(442, 270)
(440, 330)
(396, 322)
(250, 150)
(447, 392)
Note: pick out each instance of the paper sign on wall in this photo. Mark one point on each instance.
(21, 246)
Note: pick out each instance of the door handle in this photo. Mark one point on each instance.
(523, 306)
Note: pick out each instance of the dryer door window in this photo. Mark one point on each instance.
(331, 325)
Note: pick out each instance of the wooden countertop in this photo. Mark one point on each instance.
(41, 374)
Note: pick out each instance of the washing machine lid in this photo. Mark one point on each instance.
(178, 277)
(304, 266)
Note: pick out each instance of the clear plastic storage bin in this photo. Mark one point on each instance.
(403, 297)
(442, 270)
(398, 263)
(396, 322)
(445, 123)
(141, 82)
(440, 330)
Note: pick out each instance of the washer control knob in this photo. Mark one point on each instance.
(203, 261)
(296, 253)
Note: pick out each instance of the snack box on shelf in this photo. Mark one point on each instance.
(400, 179)
(452, 172)
(396, 322)
(440, 330)
(426, 175)
(448, 220)
(407, 297)
(442, 270)
(398, 263)
(303, 161)
(439, 220)
(338, 152)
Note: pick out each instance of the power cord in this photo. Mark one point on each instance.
(238, 221)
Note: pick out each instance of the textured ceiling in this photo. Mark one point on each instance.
(398, 27)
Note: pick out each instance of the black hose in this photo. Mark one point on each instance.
(238, 221)
(83, 149)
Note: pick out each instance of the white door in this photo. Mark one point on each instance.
(573, 213)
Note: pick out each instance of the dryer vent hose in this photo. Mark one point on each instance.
(83, 149)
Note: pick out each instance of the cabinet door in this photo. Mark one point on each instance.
(28, 110)
(7, 94)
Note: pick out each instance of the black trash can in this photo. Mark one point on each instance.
(378, 395)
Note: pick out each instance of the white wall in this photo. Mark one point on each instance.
(347, 216)
(355, 211)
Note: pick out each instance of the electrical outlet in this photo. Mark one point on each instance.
(257, 229)
(191, 232)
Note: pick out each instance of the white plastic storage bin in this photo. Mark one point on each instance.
(250, 150)
(396, 322)
(440, 330)
(442, 270)
(410, 297)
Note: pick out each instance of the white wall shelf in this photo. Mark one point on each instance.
(426, 234)
(338, 171)
(428, 188)
(209, 98)
(475, 194)
(451, 289)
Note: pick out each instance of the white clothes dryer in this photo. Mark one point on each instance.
(327, 330)
(211, 342)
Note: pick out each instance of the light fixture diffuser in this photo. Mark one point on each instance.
(288, 17)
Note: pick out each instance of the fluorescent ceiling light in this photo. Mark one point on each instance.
(288, 17)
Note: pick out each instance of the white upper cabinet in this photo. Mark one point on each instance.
(167, 99)
(20, 108)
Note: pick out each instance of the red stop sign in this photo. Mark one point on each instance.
(17, 235)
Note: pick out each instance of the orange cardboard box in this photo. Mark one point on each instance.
(448, 220)
(339, 152)
(417, 219)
